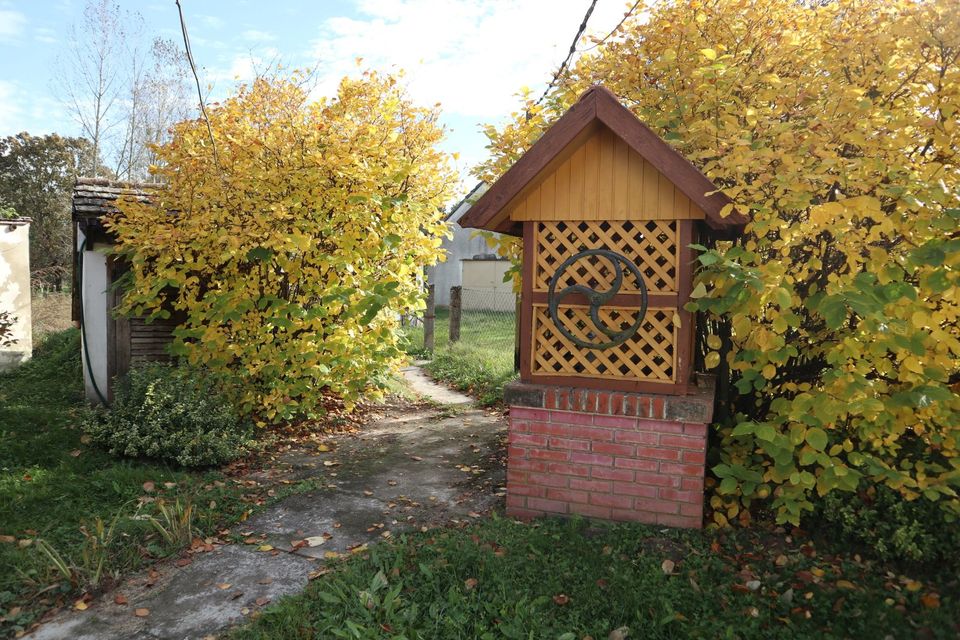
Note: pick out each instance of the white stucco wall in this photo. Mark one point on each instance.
(15, 289)
(448, 274)
(484, 288)
(93, 288)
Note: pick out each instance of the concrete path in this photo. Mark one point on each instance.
(411, 467)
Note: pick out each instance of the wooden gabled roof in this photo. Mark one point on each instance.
(96, 197)
(599, 106)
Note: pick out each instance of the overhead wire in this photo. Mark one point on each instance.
(615, 29)
(566, 61)
(193, 68)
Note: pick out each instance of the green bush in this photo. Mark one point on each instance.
(892, 528)
(171, 413)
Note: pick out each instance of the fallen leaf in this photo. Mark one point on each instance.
(561, 599)
(753, 585)
(85, 439)
(781, 560)
(8, 539)
(262, 601)
(930, 600)
(331, 555)
(914, 585)
(182, 562)
(265, 581)
(787, 597)
(141, 613)
(845, 584)
(330, 463)
(265, 547)
(314, 541)
(223, 586)
(75, 453)
(667, 566)
(80, 605)
(120, 599)
(470, 583)
(323, 448)
(149, 487)
(619, 634)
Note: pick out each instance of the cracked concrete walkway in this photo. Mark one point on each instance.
(416, 466)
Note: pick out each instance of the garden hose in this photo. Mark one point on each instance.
(83, 324)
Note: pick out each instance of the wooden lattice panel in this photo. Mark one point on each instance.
(652, 245)
(650, 355)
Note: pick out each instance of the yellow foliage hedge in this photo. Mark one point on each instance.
(836, 318)
(293, 251)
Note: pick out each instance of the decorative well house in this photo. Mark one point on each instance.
(608, 418)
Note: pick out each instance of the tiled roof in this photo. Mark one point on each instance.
(95, 197)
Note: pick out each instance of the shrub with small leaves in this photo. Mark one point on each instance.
(893, 528)
(173, 413)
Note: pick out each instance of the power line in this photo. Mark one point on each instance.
(193, 68)
(566, 61)
(615, 29)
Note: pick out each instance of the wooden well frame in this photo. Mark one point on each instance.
(600, 179)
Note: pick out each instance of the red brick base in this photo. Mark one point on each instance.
(610, 455)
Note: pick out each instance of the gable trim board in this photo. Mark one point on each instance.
(581, 130)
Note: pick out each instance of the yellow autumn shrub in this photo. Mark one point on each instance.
(293, 250)
(834, 322)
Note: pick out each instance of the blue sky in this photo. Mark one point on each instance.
(471, 56)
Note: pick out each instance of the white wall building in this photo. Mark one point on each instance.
(465, 252)
(15, 289)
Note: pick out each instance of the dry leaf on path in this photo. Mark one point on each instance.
(141, 613)
(667, 566)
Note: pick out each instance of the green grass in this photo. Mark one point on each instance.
(570, 580)
(481, 362)
(52, 484)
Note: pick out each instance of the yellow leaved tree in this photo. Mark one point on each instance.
(834, 323)
(294, 248)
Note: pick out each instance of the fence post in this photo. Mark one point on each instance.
(455, 303)
(428, 318)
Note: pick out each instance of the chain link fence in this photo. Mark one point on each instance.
(483, 319)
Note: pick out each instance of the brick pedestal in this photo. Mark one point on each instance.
(607, 454)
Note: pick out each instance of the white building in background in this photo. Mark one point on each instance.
(471, 264)
(15, 289)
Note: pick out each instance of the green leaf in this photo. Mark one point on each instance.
(817, 438)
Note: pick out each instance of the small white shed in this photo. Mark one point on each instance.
(15, 290)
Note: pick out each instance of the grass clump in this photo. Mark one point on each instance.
(481, 362)
(571, 579)
(62, 493)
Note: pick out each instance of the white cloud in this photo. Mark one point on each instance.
(472, 56)
(255, 35)
(12, 24)
(21, 110)
(214, 22)
(11, 113)
(45, 35)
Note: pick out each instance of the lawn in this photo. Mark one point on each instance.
(53, 486)
(572, 579)
(481, 362)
